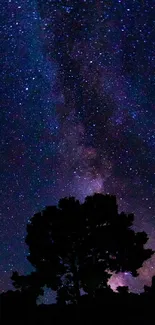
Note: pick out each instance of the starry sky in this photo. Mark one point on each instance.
(78, 114)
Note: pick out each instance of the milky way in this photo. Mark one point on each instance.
(78, 103)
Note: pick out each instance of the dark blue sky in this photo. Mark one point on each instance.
(78, 113)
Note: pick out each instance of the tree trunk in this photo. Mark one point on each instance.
(76, 281)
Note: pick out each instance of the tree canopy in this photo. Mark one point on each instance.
(76, 246)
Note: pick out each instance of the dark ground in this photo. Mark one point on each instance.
(89, 314)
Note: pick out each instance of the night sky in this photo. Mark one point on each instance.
(78, 114)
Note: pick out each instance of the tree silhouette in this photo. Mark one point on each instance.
(75, 246)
